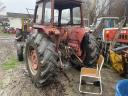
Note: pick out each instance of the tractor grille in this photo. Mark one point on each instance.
(123, 36)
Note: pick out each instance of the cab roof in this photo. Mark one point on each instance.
(108, 18)
(64, 4)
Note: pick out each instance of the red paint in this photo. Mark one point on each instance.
(109, 35)
(73, 35)
(75, 38)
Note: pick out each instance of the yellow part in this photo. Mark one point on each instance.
(117, 61)
(22, 24)
(23, 21)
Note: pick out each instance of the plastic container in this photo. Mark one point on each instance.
(122, 88)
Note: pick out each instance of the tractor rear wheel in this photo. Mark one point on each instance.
(91, 48)
(40, 60)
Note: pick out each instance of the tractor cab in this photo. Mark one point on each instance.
(110, 33)
(58, 35)
(104, 22)
(58, 18)
(58, 12)
(107, 22)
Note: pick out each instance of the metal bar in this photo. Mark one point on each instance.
(52, 12)
(81, 11)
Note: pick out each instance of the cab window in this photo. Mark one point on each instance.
(39, 13)
(65, 16)
(76, 15)
(47, 16)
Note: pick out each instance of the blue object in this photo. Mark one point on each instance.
(122, 88)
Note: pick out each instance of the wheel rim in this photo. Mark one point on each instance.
(33, 61)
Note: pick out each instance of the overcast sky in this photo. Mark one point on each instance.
(18, 6)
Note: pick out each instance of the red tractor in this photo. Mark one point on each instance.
(56, 40)
(122, 33)
(103, 23)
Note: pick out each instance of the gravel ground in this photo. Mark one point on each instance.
(16, 82)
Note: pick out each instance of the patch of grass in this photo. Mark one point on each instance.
(11, 63)
(1, 83)
(4, 34)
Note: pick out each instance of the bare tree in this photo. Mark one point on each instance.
(2, 7)
(95, 9)
(89, 9)
(2, 19)
(118, 8)
(100, 8)
(126, 8)
(112, 8)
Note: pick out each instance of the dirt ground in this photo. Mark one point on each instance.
(16, 82)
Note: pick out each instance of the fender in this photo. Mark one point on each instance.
(47, 29)
(75, 38)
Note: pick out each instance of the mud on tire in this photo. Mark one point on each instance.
(42, 67)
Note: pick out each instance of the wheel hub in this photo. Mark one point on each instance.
(34, 60)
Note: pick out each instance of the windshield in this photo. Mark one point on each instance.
(65, 17)
(76, 15)
(69, 16)
(109, 23)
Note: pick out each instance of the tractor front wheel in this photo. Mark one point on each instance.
(19, 48)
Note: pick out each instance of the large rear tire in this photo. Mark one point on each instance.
(40, 60)
(90, 46)
(91, 49)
